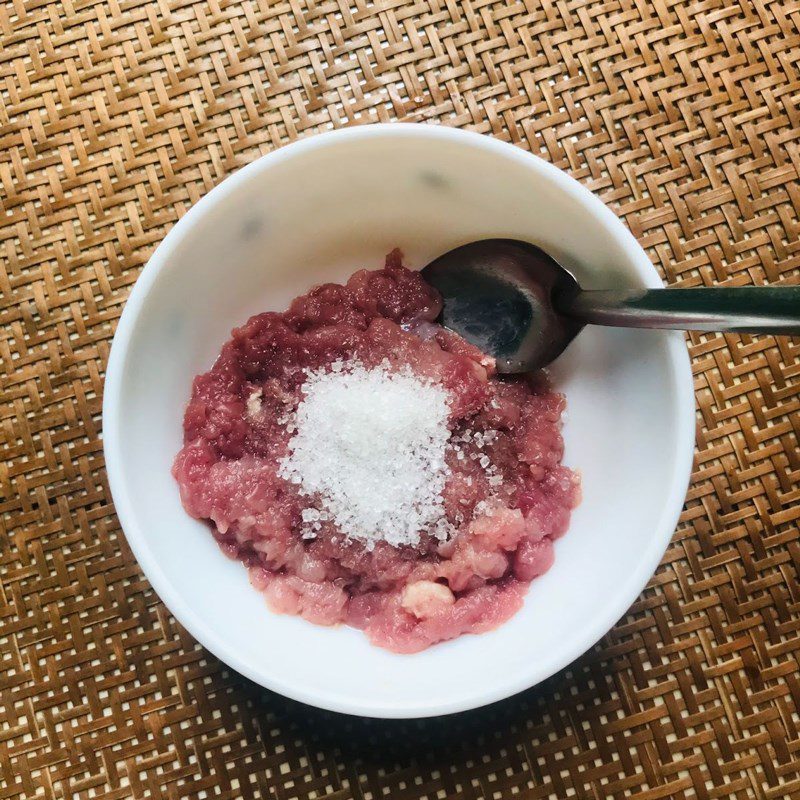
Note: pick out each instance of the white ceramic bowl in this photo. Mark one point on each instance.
(317, 210)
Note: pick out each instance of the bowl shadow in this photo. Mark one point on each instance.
(452, 743)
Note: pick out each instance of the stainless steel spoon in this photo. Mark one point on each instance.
(516, 303)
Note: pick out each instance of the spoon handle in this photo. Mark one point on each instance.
(746, 309)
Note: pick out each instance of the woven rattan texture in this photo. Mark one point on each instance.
(117, 115)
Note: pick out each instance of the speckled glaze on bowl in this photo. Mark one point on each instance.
(317, 210)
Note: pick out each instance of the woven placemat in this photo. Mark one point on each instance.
(117, 115)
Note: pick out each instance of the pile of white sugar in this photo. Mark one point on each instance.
(369, 446)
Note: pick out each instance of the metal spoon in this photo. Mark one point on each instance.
(516, 303)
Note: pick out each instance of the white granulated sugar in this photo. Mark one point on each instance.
(369, 448)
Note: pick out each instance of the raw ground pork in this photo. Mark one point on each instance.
(404, 598)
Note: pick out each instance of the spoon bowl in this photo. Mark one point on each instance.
(499, 295)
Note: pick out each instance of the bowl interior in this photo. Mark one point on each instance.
(317, 211)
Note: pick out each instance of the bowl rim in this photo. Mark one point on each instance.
(627, 592)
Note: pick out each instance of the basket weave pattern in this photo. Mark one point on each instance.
(117, 115)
